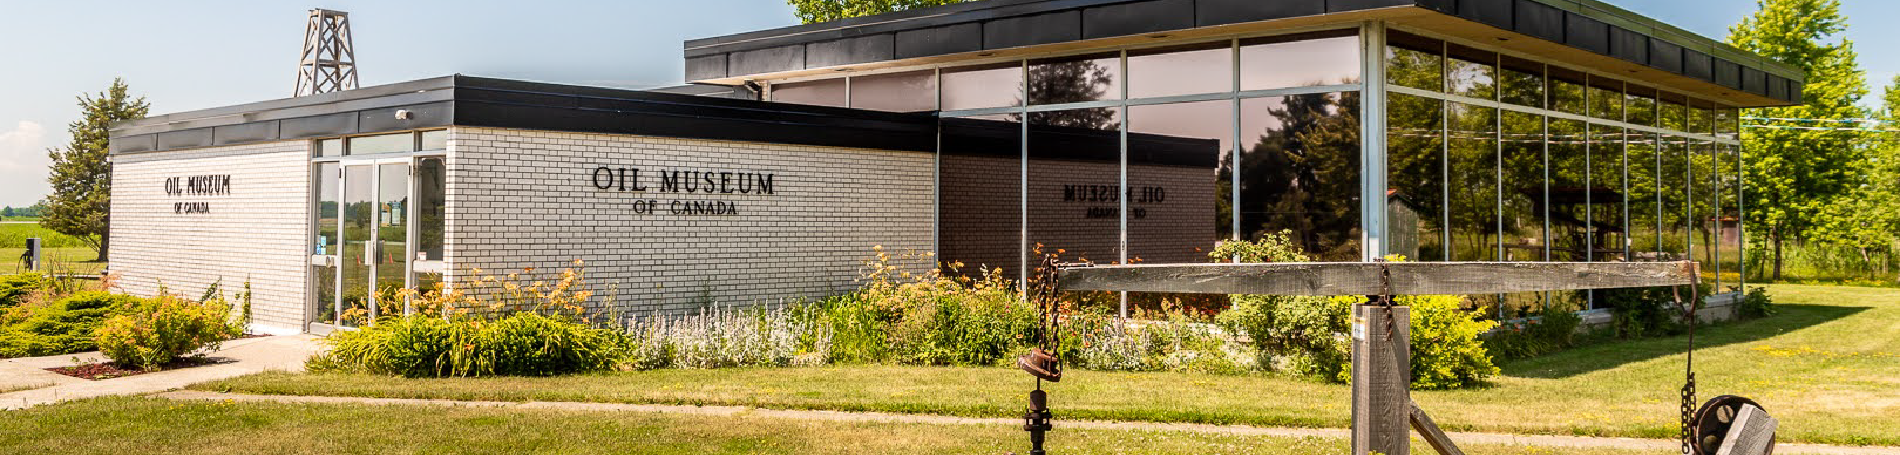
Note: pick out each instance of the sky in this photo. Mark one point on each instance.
(184, 56)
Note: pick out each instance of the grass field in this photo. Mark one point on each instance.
(1827, 367)
(145, 425)
(62, 253)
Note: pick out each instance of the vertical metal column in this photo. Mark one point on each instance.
(1372, 144)
(1122, 187)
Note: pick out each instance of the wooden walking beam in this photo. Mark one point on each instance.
(1362, 278)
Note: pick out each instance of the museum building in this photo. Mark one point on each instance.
(1114, 130)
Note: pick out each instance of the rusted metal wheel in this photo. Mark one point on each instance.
(1712, 422)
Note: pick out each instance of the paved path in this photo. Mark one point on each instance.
(242, 356)
(1657, 445)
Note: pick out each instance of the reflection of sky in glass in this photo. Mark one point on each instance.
(912, 91)
(1324, 61)
(1183, 72)
(1472, 79)
(981, 87)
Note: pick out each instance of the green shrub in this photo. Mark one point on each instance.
(519, 344)
(1446, 352)
(1644, 312)
(165, 329)
(14, 288)
(1552, 329)
(1756, 304)
(62, 326)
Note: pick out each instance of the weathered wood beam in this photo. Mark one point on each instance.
(1428, 430)
(1362, 278)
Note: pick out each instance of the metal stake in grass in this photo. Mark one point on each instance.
(1041, 361)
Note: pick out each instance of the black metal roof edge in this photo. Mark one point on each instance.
(1630, 19)
(935, 15)
(365, 93)
(505, 103)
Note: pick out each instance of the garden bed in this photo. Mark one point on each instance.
(110, 370)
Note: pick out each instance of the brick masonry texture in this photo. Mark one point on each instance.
(519, 198)
(256, 232)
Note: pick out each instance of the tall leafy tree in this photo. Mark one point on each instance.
(80, 175)
(1868, 220)
(815, 11)
(1794, 176)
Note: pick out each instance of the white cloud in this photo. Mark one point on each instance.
(23, 163)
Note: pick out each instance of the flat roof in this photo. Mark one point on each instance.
(460, 100)
(1585, 33)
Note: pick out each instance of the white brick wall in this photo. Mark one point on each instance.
(521, 198)
(257, 232)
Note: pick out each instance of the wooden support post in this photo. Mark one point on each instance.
(1381, 380)
(1428, 430)
(1753, 433)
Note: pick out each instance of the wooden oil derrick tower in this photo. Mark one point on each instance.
(328, 63)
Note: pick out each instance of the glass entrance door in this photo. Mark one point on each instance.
(374, 252)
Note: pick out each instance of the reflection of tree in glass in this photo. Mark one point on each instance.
(1302, 175)
(1071, 82)
(1415, 173)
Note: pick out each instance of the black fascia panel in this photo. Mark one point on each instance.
(1728, 74)
(195, 137)
(1495, 13)
(1777, 87)
(706, 67)
(1124, 19)
(1539, 20)
(934, 41)
(1754, 81)
(1057, 27)
(1796, 92)
(849, 51)
(1664, 55)
(1585, 33)
(420, 116)
(244, 133)
(1222, 12)
(133, 143)
(1698, 65)
(315, 126)
(769, 60)
(1340, 6)
(1629, 45)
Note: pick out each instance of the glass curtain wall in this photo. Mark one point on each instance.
(1151, 154)
(1500, 157)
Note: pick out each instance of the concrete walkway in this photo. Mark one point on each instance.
(240, 357)
(1555, 442)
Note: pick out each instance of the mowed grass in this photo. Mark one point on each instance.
(147, 425)
(62, 253)
(1826, 367)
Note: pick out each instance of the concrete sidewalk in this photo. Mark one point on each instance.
(241, 357)
(1552, 442)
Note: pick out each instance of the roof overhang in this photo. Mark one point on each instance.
(1582, 34)
(502, 103)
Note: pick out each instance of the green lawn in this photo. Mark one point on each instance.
(146, 425)
(1827, 367)
(62, 253)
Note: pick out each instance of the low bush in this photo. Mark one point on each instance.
(1756, 304)
(535, 330)
(14, 288)
(61, 326)
(1551, 329)
(164, 329)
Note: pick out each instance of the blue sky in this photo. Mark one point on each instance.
(198, 54)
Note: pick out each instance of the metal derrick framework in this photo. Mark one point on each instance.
(328, 62)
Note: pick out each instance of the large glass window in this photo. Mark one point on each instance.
(1075, 79)
(1674, 189)
(826, 92)
(1471, 72)
(1521, 82)
(1416, 174)
(1567, 93)
(1645, 229)
(1075, 191)
(1179, 180)
(982, 86)
(1609, 230)
(1181, 70)
(1413, 61)
(1299, 172)
(383, 143)
(1522, 211)
(1307, 59)
(913, 91)
(981, 208)
(1569, 191)
(1641, 103)
(1606, 99)
(1471, 182)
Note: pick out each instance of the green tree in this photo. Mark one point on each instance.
(815, 11)
(1794, 176)
(80, 174)
(6, 212)
(1868, 220)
